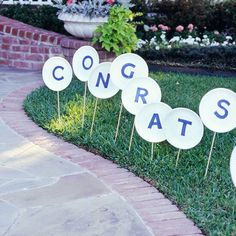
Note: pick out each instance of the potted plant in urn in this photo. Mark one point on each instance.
(81, 18)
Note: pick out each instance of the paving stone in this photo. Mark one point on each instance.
(8, 215)
(38, 162)
(25, 184)
(101, 216)
(9, 173)
(68, 188)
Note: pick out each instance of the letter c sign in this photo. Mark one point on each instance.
(57, 73)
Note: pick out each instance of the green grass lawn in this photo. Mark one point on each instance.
(210, 202)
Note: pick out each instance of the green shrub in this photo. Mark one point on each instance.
(39, 16)
(118, 34)
(214, 57)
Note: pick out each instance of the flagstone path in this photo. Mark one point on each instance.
(52, 188)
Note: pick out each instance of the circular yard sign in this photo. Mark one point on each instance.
(139, 93)
(233, 166)
(127, 67)
(57, 73)
(183, 128)
(218, 110)
(84, 61)
(149, 121)
(100, 83)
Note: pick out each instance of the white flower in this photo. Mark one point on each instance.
(174, 39)
(169, 46)
(163, 37)
(214, 44)
(198, 39)
(153, 41)
(228, 37)
(205, 36)
(224, 43)
(157, 48)
(206, 41)
(146, 28)
(190, 41)
(141, 43)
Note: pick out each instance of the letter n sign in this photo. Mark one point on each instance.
(105, 82)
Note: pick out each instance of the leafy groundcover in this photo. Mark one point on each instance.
(210, 202)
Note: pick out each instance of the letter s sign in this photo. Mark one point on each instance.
(220, 105)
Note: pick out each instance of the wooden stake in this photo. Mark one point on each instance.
(177, 159)
(210, 154)
(152, 151)
(84, 103)
(94, 114)
(131, 138)
(58, 107)
(118, 124)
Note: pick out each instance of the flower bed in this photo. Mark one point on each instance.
(188, 46)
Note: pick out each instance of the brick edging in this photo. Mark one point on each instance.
(156, 211)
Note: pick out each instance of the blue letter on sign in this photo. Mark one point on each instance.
(54, 71)
(141, 93)
(185, 123)
(155, 121)
(100, 78)
(130, 76)
(223, 108)
(91, 62)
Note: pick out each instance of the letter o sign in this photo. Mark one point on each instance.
(84, 61)
(217, 110)
(57, 73)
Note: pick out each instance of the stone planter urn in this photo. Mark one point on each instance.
(81, 26)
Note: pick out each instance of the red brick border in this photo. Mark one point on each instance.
(157, 212)
(27, 47)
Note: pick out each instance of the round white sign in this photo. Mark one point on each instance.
(127, 67)
(140, 92)
(233, 166)
(100, 84)
(217, 110)
(84, 61)
(149, 121)
(183, 128)
(57, 73)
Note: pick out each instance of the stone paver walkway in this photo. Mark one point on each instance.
(52, 188)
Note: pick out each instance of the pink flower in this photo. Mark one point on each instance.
(69, 2)
(163, 27)
(153, 28)
(179, 28)
(190, 28)
(110, 1)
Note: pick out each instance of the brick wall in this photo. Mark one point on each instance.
(26, 47)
